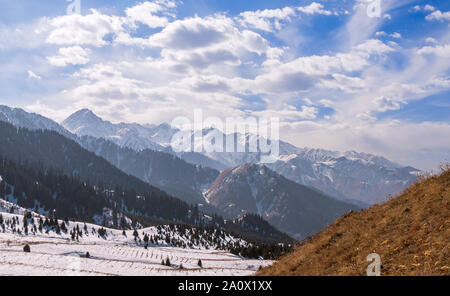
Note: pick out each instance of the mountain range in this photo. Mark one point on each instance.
(360, 178)
(293, 193)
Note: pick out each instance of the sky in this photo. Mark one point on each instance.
(340, 75)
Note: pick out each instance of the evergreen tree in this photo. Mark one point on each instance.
(63, 227)
(26, 249)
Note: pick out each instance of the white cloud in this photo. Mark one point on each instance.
(195, 44)
(89, 29)
(266, 20)
(438, 16)
(307, 101)
(31, 74)
(431, 40)
(75, 55)
(289, 113)
(303, 73)
(271, 20)
(429, 8)
(385, 104)
(345, 83)
(426, 8)
(395, 35)
(146, 13)
(326, 103)
(442, 51)
(314, 8)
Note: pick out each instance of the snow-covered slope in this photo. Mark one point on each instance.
(113, 252)
(291, 207)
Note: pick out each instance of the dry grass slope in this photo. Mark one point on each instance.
(411, 233)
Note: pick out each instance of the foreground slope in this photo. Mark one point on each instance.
(411, 233)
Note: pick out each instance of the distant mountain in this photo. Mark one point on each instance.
(410, 233)
(31, 121)
(163, 170)
(293, 208)
(135, 136)
(360, 178)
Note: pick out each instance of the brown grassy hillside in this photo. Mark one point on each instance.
(411, 233)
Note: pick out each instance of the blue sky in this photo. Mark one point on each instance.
(335, 76)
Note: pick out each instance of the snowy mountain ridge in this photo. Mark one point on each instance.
(130, 135)
(361, 178)
(351, 176)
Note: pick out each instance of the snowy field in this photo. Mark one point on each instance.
(114, 255)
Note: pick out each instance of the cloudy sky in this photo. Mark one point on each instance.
(337, 77)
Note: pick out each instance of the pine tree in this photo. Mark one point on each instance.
(200, 264)
(63, 226)
(26, 249)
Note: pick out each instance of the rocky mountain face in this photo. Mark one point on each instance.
(361, 180)
(293, 208)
